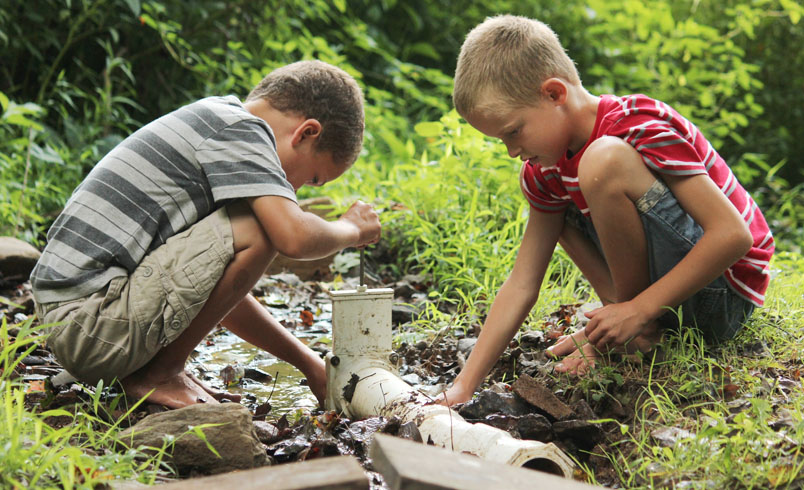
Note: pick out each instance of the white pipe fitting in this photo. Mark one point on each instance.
(361, 383)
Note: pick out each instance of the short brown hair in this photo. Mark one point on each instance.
(510, 57)
(320, 91)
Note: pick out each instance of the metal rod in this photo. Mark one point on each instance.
(362, 267)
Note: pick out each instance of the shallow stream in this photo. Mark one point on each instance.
(306, 312)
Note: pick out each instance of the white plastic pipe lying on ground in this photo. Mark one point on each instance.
(361, 382)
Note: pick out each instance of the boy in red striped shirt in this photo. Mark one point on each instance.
(638, 198)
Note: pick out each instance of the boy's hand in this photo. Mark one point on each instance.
(615, 324)
(454, 395)
(367, 222)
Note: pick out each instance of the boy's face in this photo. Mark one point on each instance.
(536, 133)
(312, 168)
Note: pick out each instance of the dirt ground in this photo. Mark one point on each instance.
(523, 395)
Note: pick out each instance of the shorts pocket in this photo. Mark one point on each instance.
(149, 305)
(719, 313)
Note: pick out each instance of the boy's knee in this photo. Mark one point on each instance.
(610, 165)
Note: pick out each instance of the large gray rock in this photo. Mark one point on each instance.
(17, 258)
(232, 436)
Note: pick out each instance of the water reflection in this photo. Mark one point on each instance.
(285, 391)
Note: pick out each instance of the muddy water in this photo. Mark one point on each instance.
(286, 391)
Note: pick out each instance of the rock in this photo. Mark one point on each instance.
(583, 411)
(231, 433)
(541, 397)
(411, 379)
(535, 426)
(507, 423)
(414, 278)
(257, 375)
(579, 319)
(531, 340)
(266, 432)
(488, 402)
(669, 436)
(583, 433)
(290, 449)
(17, 258)
(403, 313)
(409, 430)
(465, 346)
(403, 289)
(500, 387)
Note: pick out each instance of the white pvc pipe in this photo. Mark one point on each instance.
(362, 383)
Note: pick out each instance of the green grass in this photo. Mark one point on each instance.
(61, 448)
(741, 402)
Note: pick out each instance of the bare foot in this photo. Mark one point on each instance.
(216, 394)
(579, 361)
(581, 356)
(645, 342)
(175, 392)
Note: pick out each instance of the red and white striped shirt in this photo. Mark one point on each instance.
(669, 144)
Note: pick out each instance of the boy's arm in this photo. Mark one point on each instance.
(301, 235)
(725, 240)
(511, 306)
(250, 321)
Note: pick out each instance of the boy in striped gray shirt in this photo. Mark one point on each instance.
(170, 231)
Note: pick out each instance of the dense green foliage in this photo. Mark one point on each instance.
(79, 75)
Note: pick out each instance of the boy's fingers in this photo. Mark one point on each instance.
(568, 344)
(594, 334)
(592, 313)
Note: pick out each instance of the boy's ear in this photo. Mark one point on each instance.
(309, 129)
(554, 90)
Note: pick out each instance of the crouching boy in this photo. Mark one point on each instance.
(635, 194)
(169, 232)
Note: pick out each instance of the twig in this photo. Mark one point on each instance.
(449, 411)
(274, 386)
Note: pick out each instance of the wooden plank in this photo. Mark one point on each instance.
(408, 465)
(333, 473)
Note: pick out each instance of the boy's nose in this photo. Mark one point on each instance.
(513, 151)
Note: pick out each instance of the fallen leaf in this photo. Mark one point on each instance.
(730, 391)
(232, 374)
(307, 318)
(781, 474)
(36, 385)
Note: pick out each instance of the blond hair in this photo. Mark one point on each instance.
(320, 91)
(508, 57)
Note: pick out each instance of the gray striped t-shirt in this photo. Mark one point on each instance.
(157, 182)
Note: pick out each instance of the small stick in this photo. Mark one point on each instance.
(276, 378)
(362, 267)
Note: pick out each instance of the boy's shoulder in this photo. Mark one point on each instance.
(206, 118)
(217, 110)
(631, 109)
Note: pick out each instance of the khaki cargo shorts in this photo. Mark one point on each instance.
(115, 331)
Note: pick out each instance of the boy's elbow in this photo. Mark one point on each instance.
(741, 239)
(747, 240)
(293, 248)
